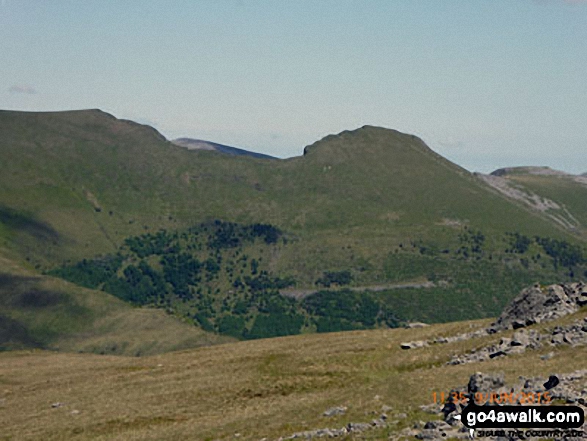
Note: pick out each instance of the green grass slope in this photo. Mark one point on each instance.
(375, 202)
(77, 183)
(567, 191)
(44, 312)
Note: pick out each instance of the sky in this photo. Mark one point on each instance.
(485, 83)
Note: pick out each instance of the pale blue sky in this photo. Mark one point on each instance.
(487, 84)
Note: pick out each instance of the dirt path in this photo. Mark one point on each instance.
(300, 294)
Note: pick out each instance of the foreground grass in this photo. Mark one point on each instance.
(250, 390)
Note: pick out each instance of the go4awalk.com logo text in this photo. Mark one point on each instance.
(523, 421)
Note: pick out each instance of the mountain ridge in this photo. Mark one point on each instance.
(199, 144)
(366, 207)
(91, 160)
(531, 170)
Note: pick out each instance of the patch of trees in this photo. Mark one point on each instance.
(517, 243)
(275, 325)
(181, 270)
(345, 309)
(150, 244)
(232, 235)
(334, 324)
(429, 249)
(90, 273)
(272, 302)
(220, 287)
(268, 233)
(225, 235)
(563, 254)
(140, 285)
(340, 278)
(264, 282)
(471, 242)
(203, 321)
(212, 266)
(232, 325)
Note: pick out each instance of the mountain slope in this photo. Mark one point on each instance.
(198, 144)
(94, 180)
(44, 312)
(559, 195)
(373, 204)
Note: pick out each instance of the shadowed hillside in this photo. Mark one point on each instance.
(47, 313)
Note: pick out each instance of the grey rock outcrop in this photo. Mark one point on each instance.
(350, 428)
(480, 382)
(573, 334)
(537, 304)
(414, 344)
(533, 305)
(339, 410)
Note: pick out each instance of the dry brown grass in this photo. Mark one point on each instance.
(264, 388)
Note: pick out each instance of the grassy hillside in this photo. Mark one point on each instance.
(80, 182)
(251, 390)
(45, 312)
(374, 203)
(569, 192)
(220, 276)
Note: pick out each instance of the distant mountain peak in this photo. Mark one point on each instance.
(199, 144)
(527, 170)
(366, 140)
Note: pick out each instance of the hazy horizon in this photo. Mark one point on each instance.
(485, 84)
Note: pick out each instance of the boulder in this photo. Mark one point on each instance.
(520, 338)
(333, 411)
(414, 325)
(537, 304)
(480, 382)
(414, 344)
(357, 427)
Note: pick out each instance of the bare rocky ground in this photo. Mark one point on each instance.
(534, 305)
(499, 181)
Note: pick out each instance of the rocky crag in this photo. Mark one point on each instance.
(537, 304)
(533, 305)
